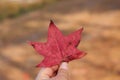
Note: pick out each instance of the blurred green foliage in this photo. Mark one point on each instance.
(15, 9)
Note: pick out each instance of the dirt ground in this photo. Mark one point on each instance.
(100, 39)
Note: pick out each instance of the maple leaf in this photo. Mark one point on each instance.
(58, 48)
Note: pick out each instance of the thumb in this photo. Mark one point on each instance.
(63, 72)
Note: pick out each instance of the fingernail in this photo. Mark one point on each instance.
(64, 65)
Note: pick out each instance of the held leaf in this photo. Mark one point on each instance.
(58, 48)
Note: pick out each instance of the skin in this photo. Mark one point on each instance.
(54, 73)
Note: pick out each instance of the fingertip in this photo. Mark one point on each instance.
(64, 65)
(54, 68)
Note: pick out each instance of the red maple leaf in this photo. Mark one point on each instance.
(58, 48)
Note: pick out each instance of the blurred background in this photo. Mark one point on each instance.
(27, 20)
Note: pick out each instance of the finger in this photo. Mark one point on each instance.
(64, 65)
(44, 73)
(63, 71)
(55, 68)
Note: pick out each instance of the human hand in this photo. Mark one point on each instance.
(54, 73)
